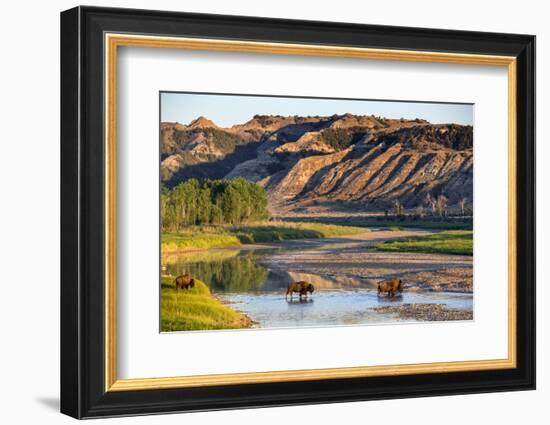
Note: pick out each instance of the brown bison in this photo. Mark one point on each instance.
(390, 286)
(185, 282)
(302, 287)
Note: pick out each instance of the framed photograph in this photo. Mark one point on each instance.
(261, 212)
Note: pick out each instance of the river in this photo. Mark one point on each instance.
(344, 271)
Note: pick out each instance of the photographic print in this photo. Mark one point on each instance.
(302, 218)
(285, 212)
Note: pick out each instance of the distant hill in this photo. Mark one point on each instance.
(339, 162)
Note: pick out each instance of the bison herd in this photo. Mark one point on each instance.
(391, 287)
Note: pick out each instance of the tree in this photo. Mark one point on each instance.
(184, 197)
(397, 207)
(258, 201)
(177, 200)
(462, 204)
(441, 205)
(170, 219)
(216, 215)
(230, 205)
(212, 202)
(164, 207)
(204, 206)
(430, 202)
(241, 187)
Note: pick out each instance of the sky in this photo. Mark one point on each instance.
(228, 110)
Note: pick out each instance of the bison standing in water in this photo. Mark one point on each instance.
(185, 282)
(302, 287)
(390, 286)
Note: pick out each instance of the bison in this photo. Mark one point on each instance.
(184, 282)
(302, 287)
(390, 286)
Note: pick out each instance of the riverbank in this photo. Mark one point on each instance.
(353, 260)
(425, 312)
(451, 279)
(374, 220)
(205, 237)
(459, 242)
(196, 309)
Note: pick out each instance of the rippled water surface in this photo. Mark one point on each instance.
(335, 307)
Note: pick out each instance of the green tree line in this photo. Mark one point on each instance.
(224, 201)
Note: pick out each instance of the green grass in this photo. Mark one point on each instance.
(196, 238)
(289, 230)
(436, 225)
(202, 237)
(196, 309)
(394, 228)
(449, 242)
(199, 257)
(399, 224)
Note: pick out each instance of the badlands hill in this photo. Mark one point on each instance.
(345, 162)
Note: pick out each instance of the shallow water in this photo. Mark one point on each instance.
(334, 307)
(255, 281)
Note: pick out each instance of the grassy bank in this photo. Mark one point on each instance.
(382, 223)
(435, 225)
(202, 237)
(449, 242)
(196, 309)
(197, 238)
(198, 257)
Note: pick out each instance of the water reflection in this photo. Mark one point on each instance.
(385, 299)
(235, 274)
(300, 302)
(231, 271)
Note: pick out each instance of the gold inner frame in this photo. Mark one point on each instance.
(113, 41)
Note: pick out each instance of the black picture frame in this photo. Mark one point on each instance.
(83, 392)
